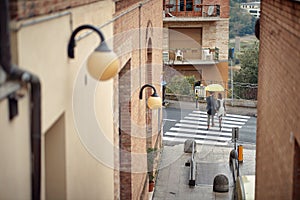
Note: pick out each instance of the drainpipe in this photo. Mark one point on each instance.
(22, 76)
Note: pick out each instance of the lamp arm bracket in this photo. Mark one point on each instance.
(144, 86)
(72, 42)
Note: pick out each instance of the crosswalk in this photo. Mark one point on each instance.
(194, 126)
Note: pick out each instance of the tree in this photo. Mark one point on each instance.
(182, 85)
(245, 80)
(241, 22)
(249, 65)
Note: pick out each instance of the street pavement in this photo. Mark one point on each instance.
(212, 158)
(194, 126)
(183, 121)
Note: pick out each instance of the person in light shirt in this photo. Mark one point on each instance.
(221, 109)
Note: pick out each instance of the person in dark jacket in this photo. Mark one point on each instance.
(211, 108)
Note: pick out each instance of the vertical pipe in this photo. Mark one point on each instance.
(35, 137)
(5, 54)
(231, 78)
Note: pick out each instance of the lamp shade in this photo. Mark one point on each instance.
(154, 102)
(103, 65)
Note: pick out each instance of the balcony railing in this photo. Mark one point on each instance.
(190, 55)
(190, 10)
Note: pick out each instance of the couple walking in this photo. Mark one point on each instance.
(214, 107)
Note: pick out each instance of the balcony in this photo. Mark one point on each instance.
(191, 56)
(199, 12)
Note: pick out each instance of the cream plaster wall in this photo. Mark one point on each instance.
(66, 89)
(14, 152)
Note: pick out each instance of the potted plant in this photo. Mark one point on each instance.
(151, 156)
(151, 181)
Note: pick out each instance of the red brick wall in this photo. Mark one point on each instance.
(123, 4)
(149, 12)
(224, 6)
(278, 98)
(22, 9)
(125, 132)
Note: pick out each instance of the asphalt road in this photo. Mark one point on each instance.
(171, 116)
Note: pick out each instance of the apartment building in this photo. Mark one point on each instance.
(253, 8)
(196, 39)
(65, 135)
(278, 138)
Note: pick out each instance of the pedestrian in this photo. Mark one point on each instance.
(221, 109)
(211, 108)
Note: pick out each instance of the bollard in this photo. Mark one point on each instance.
(221, 183)
(240, 153)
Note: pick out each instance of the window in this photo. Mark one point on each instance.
(181, 5)
(253, 11)
(184, 5)
(197, 2)
(173, 2)
(189, 5)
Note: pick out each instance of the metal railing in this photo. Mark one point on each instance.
(188, 54)
(242, 91)
(189, 10)
(245, 94)
(239, 191)
(247, 91)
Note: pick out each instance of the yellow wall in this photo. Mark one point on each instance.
(67, 92)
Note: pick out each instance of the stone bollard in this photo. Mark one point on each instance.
(221, 183)
(188, 146)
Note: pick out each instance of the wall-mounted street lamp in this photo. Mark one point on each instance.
(103, 63)
(154, 101)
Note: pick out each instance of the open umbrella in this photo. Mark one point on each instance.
(214, 88)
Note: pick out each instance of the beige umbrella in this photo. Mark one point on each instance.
(214, 88)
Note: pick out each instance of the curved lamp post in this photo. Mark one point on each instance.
(154, 101)
(103, 63)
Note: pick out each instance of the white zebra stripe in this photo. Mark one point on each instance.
(202, 127)
(207, 137)
(230, 115)
(205, 119)
(207, 142)
(209, 132)
(170, 120)
(205, 123)
(226, 118)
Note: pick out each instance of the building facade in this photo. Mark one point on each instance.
(196, 39)
(137, 41)
(253, 8)
(278, 138)
(90, 131)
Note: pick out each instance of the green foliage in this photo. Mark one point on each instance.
(245, 80)
(182, 85)
(151, 159)
(150, 150)
(151, 155)
(249, 65)
(241, 23)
